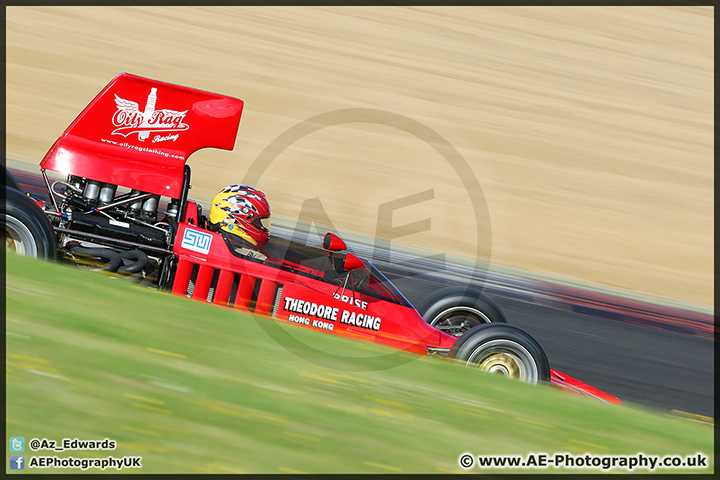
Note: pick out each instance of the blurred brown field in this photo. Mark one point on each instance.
(589, 129)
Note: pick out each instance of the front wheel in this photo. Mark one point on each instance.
(455, 310)
(503, 350)
(24, 227)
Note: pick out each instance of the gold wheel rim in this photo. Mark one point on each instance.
(502, 364)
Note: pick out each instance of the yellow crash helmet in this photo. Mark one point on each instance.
(243, 213)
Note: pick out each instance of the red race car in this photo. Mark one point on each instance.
(125, 164)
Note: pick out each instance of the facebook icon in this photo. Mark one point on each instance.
(17, 462)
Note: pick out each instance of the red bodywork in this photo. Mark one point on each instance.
(277, 289)
(273, 290)
(138, 133)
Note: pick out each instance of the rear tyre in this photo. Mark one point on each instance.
(455, 310)
(503, 350)
(24, 227)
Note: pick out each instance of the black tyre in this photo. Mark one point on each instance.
(24, 227)
(505, 350)
(455, 310)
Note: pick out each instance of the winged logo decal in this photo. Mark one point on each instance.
(129, 119)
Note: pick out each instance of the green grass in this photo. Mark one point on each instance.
(196, 388)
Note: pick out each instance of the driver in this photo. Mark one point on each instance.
(242, 215)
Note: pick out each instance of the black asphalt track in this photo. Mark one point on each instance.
(639, 364)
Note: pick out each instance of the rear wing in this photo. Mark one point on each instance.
(139, 133)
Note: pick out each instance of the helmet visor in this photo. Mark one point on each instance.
(262, 223)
